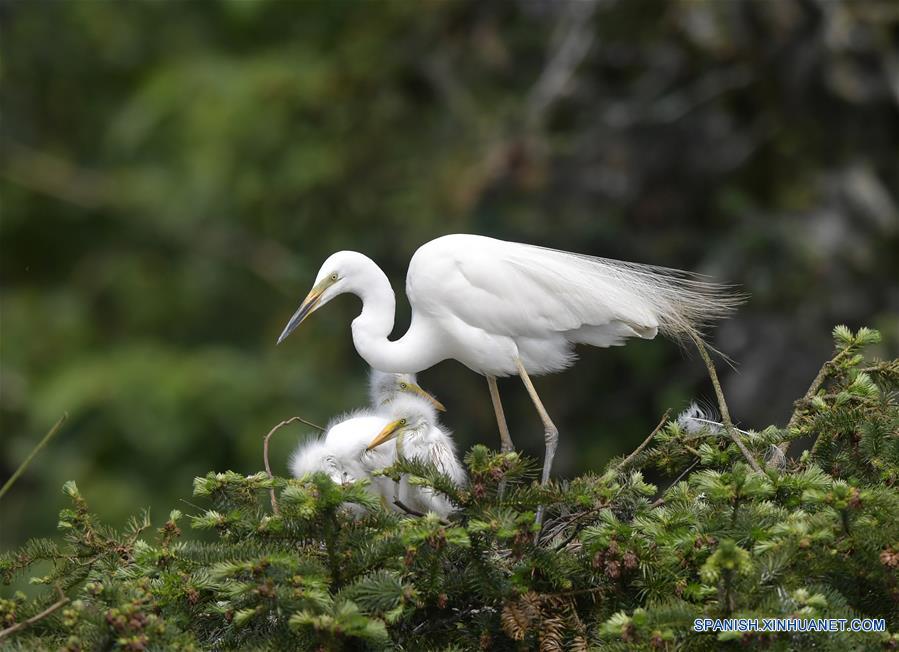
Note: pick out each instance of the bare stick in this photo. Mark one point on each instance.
(661, 501)
(306, 423)
(9, 631)
(578, 525)
(823, 372)
(34, 451)
(630, 458)
(414, 512)
(722, 405)
(268, 468)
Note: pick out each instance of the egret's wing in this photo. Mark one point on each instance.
(522, 290)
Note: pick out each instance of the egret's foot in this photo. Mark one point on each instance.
(551, 438)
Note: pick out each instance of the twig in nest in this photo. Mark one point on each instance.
(268, 468)
(413, 512)
(819, 379)
(579, 525)
(630, 458)
(34, 451)
(63, 600)
(722, 405)
(661, 501)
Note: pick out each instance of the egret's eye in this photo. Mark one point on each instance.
(402, 422)
(333, 277)
(403, 386)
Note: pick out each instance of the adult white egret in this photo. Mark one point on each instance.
(415, 433)
(503, 308)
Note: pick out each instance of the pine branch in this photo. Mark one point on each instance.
(63, 600)
(337, 569)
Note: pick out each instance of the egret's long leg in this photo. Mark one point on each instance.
(505, 439)
(551, 433)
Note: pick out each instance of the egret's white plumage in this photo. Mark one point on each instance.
(504, 308)
(342, 451)
(695, 419)
(338, 451)
(520, 301)
(383, 387)
(414, 432)
(699, 419)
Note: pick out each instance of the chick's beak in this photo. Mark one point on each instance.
(389, 432)
(429, 397)
(309, 305)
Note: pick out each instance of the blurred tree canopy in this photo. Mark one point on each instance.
(172, 175)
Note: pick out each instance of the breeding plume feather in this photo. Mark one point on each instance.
(696, 419)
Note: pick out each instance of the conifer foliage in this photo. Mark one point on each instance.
(618, 564)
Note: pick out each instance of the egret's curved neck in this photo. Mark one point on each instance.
(412, 353)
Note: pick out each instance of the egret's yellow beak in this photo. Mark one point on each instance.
(415, 389)
(389, 432)
(309, 305)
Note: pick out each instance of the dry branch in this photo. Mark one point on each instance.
(630, 458)
(9, 631)
(810, 394)
(34, 451)
(722, 405)
(268, 468)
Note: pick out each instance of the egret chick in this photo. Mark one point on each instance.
(341, 453)
(383, 387)
(414, 432)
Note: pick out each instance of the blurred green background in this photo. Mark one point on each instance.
(173, 174)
